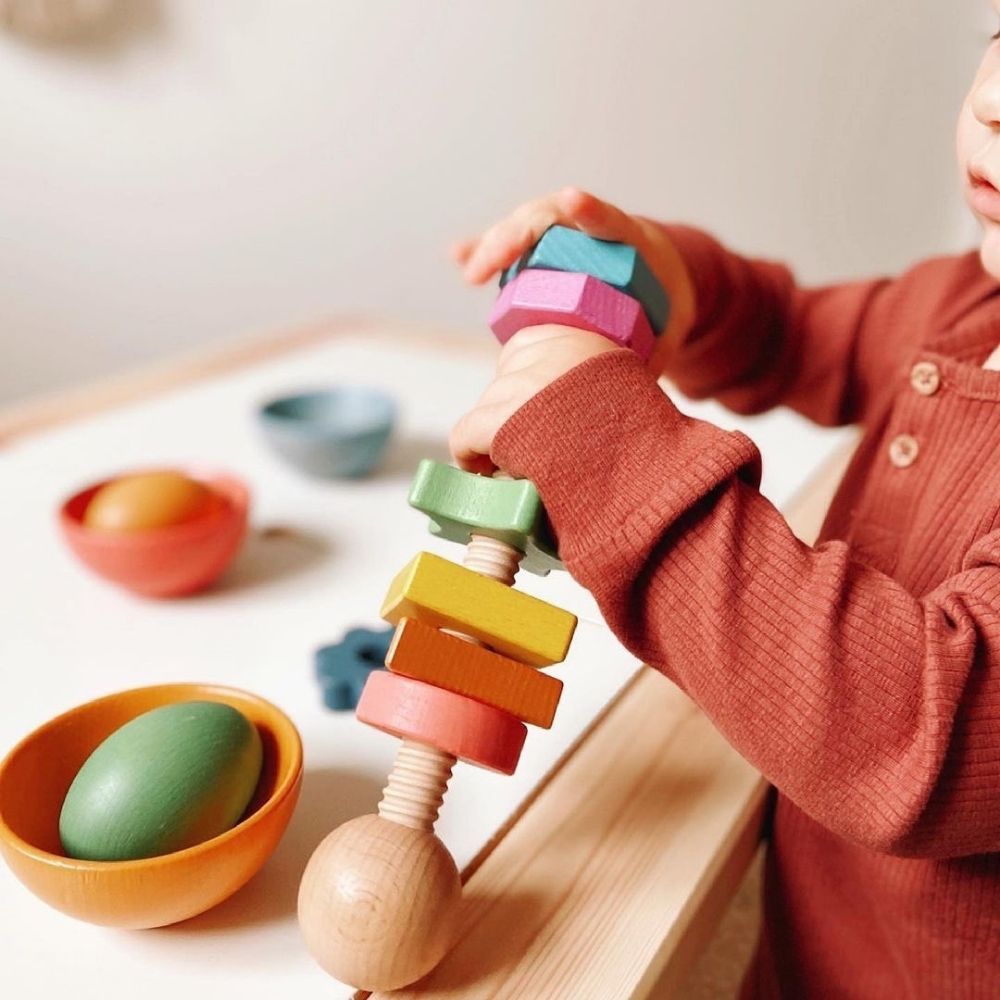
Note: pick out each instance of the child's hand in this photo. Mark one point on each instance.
(481, 258)
(531, 360)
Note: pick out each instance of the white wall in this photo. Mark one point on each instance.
(214, 168)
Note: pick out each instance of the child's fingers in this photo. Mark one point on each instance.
(504, 242)
(595, 217)
(472, 436)
(461, 250)
(481, 465)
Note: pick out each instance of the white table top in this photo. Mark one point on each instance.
(68, 637)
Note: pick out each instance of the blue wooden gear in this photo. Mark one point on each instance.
(343, 667)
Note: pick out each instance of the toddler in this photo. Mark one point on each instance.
(861, 675)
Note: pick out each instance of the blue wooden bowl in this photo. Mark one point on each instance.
(336, 433)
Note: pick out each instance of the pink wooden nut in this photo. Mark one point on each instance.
(569, 298)
(470, 730)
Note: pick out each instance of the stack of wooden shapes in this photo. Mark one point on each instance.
(571, 279)
(465, 667)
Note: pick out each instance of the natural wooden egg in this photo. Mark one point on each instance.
(169, 779)
(147, 500)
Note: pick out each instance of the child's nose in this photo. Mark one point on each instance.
(986, 101)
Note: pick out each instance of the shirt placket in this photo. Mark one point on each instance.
(904, 449)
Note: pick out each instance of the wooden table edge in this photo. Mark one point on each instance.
(36, 414)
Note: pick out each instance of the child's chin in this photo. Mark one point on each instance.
(989, 251)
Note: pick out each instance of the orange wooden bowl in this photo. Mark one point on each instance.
(162, 562)
(150, 892)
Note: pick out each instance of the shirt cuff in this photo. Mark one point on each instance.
(614, 460)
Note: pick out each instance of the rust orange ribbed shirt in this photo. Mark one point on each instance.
(862, 675)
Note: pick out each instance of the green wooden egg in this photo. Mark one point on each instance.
(171, 778)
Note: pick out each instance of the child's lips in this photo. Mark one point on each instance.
(984, 196)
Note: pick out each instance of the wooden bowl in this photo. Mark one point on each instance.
(150, 892)
(162, 562)
(336, 433)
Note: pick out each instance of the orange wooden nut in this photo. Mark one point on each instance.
(425, 654)
(473, 732)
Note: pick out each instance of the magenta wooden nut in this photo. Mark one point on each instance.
(569, 298)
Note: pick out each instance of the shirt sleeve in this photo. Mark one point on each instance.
(759, 340)
(876, 711)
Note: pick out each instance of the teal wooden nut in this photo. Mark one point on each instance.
(461, 503)
(342, 668)
(617, 264)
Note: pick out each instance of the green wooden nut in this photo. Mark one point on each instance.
(617, 264)
(461, 503)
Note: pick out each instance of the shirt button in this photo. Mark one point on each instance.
(925, 377)
(903, 451)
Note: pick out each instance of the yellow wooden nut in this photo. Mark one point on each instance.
(443, 594)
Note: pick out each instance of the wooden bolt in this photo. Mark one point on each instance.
(416, 786)
(379, 900)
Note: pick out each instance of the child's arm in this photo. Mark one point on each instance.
(873, 709)
(758, 340)
(739, 329)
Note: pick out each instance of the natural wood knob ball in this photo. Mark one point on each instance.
(380, 898)
(379, 903)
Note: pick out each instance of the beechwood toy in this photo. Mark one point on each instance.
(379, 899)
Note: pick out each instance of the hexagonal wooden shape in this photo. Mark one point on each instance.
(434, 657)
(460, 503)
(443, 594)
(534, 298)
(618, 264)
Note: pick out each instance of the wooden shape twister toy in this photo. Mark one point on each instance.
(617, 264)
(427, 654)
(380, 899)
(534, 298)
(508, 510)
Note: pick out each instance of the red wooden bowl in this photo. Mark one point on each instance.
(163, 562)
